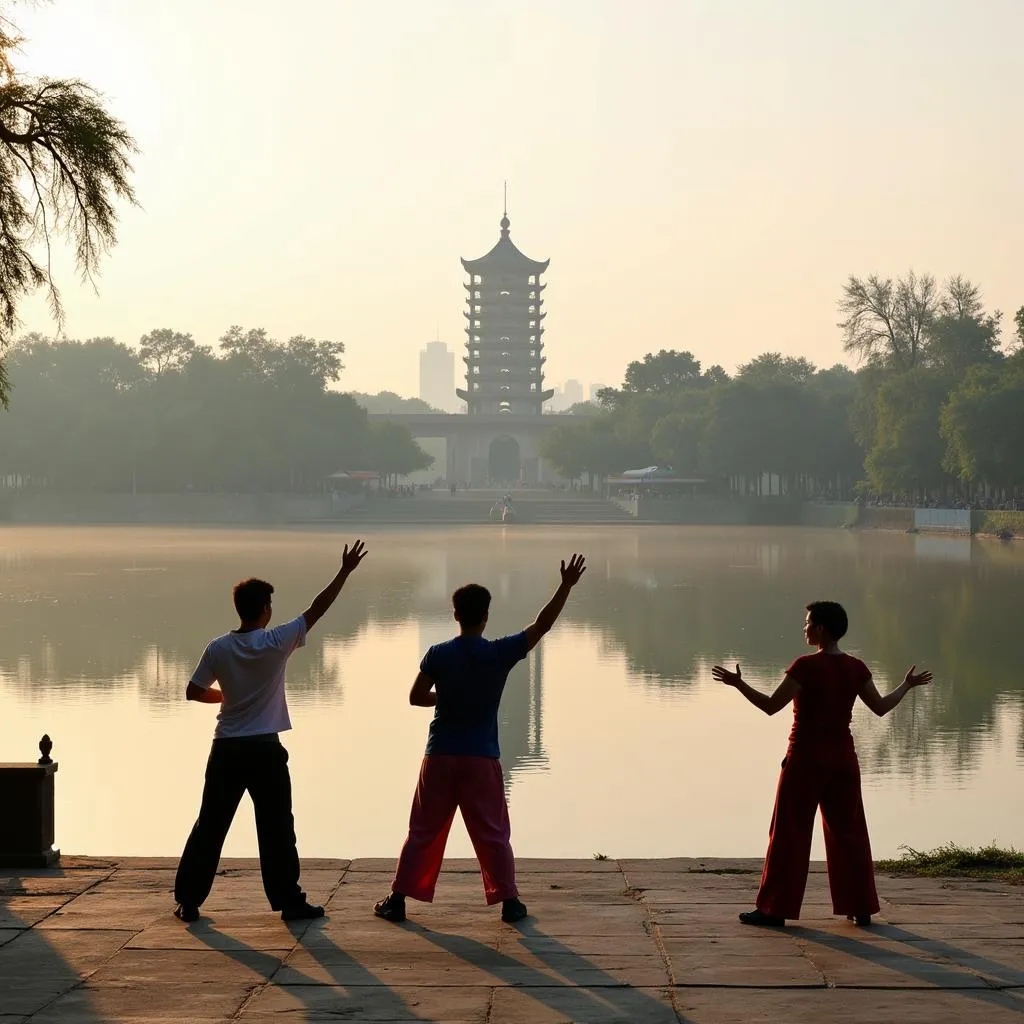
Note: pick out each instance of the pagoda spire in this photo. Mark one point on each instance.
(505, 222)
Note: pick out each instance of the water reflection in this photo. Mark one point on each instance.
(129, 610)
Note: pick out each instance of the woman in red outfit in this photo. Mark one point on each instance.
(820, 769)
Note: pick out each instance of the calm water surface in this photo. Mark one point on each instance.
(614, 737)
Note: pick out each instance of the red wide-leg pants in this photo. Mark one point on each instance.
(473, 785)
(829, 778)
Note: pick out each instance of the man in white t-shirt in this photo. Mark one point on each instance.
(248, 664)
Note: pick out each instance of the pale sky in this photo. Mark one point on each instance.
(703, 174)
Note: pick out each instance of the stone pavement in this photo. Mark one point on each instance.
(608, 941)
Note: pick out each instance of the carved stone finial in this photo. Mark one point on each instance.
(45, 746)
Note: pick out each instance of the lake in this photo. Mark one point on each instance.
(614, 737)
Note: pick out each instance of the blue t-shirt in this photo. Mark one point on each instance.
(469, 676)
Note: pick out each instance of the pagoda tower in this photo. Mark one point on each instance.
(504, 332)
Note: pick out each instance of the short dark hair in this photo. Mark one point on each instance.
(471, 603)
(251, 596)
(831, 617)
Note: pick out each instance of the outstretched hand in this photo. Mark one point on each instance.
(723, 675)
(572, 572)
(912, 678)
(350, 559)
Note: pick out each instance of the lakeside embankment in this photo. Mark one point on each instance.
(614, 940)
(474, 507)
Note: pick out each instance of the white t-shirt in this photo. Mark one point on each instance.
(250, 670)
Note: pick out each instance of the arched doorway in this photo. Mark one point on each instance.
(503, 460)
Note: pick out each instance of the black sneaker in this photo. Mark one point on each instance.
(762, 920)
(391, 908)
(304, 911)
(186, 914)
(860, 920)
(513, 910)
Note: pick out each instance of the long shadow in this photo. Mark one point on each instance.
(33, 974)
(598, 996)
(1010, 976)
(931, 974)
(355, 974)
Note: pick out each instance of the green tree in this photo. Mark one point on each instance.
(253, 350)
(593, 446)
(716, 375)
(565, 447)
(775, 368)
(835, 459)
(64, 164)
(393, 451)
(908, 451)
(962, 334)
(677, 440)
(733, 441)
(389, 401)
(605, 452)
(96, 416)
(312, 359)
(982, 424)
(583, 409)
(166, 351)
(663, 373)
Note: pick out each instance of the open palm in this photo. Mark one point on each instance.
(572, 572)
(723, 675)
(913, 678)
(351, 558)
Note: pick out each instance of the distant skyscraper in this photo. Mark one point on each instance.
(594, 388)
(437, 376)
(572, 392)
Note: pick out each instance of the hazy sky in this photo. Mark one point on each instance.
(703, 174)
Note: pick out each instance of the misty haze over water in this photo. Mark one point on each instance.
(614, 738)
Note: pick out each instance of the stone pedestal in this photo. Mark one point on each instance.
(26, 816)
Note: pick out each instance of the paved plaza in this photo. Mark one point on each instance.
(629, 940)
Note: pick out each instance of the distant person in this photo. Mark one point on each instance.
(463, 679)
(820, 769)
(248, 664)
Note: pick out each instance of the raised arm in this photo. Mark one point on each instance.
(768, 703)
(349, 563)
(868, 692)
(548, 615)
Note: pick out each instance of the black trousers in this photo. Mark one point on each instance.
(258, 764)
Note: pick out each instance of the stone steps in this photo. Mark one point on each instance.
(573, 510)
(429, 509)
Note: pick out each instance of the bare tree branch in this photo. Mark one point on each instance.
(887, 322)
(64, 165)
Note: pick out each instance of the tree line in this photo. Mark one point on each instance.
(173, 415)
(935, 411)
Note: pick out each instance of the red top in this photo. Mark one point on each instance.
(829, 684)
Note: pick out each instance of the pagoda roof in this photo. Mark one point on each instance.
(505, 255)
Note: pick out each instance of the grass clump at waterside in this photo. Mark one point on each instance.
(952, 861)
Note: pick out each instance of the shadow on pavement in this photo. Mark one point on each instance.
(602, 998)
(389, 1005)
(33, 972)
(930, 973)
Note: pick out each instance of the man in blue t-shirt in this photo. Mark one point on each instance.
(463, 680)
